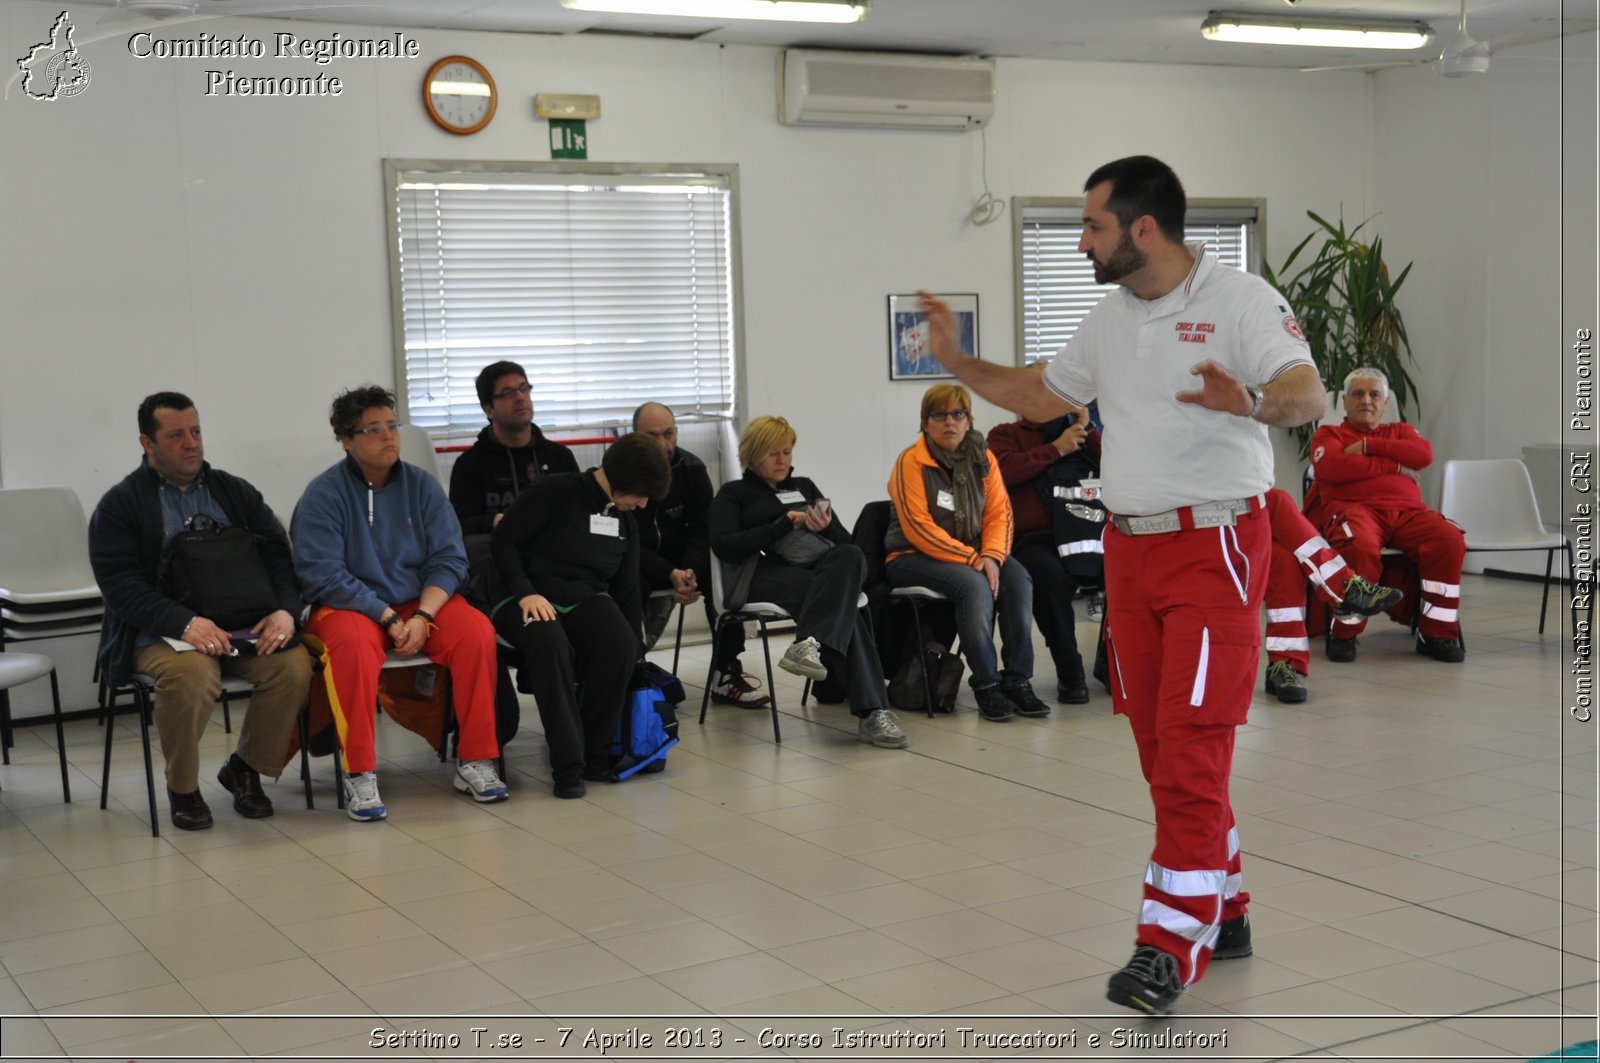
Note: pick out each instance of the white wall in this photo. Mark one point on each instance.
(235, 248)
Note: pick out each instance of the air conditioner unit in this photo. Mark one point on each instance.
(885, 89)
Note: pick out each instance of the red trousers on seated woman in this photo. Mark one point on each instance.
(353, 655)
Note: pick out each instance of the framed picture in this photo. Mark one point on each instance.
(909, 356)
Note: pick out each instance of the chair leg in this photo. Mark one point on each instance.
(705, 696)
(5, 727)
(677, 646)
(1544, 602)
(108, 719)
(61, 737)
(227, 717)
(922, 657)
(303, 721)
(766, 652)
(143, 706)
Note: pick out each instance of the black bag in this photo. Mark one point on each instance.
(944, 672)
(218, 572)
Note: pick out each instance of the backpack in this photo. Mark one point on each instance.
(218, 572)
(944, 672)
(649, 726)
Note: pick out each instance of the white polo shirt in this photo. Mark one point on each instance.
(1134, 356)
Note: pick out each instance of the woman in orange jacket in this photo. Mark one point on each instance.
(950, 530)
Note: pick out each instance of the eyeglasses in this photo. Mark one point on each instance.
(373, 431)
(948, 415)
(523, 390)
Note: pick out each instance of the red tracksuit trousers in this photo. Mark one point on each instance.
(1299, 554)
(1361, 532)
(1183, 638)
(353, 655)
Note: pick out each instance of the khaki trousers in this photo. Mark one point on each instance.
(186, 692)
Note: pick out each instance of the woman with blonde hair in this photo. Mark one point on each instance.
(803, 560)
(950, 529)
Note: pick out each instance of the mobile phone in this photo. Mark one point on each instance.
(823, 507)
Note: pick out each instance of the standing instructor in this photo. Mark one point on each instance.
(1190, 362)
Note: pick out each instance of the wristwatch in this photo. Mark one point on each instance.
(1257, 397)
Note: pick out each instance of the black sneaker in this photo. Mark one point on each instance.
(1149, 983)
(1234, 941)
(1365, 598)
(1342, 651)
(1026, 701)
(1285, 682)
(1448, 650)
(993, 704)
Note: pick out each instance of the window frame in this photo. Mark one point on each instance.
(394, 169)
(1027, 210)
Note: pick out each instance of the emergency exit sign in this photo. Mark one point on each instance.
(569, 138)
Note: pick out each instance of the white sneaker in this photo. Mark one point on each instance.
(361, 800)
(737, 688)
(478, 778)
(882, 728)
(805, 658)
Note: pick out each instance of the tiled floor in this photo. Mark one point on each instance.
(1419, 837)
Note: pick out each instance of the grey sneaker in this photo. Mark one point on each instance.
(361, 800)
(1286, 683)
(882, 728)
(1365, 598)
(804, 658)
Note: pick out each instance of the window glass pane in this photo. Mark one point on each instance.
(608, 289)
(1058, 288)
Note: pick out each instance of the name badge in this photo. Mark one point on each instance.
(945, 500)
(602, 525)
(790, 498)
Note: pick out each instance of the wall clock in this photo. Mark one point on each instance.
(459, 94)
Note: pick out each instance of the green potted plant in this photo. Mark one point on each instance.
(1344, 300)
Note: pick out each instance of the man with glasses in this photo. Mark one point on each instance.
(511, 451)
(128, 538)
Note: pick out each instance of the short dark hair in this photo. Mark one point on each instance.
(492, 372)
(350, 404)
(636, 464)
(642, 406)
(1140, 185)
(161, 400)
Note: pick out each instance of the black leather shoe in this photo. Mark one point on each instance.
(569, 791)
(597, 773)
(249, 799)
(1149, 983)
(1027, 702)
(1233, 942)
(1342, 651)
(1072, 691)
(1448, 650)
(189, 811)
(993, 704)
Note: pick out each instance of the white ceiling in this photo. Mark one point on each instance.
(1144, 31)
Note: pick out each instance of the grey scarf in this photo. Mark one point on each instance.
(969, 468)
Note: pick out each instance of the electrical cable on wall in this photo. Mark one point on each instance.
(987, 208)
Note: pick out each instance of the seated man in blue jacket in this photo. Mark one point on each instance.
(128, 534)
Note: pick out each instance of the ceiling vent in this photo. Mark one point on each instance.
(885, 89)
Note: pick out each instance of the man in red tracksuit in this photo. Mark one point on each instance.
(1365, 497)
(1190, 362)
(1299, 556)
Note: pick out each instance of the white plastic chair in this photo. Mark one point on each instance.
(416, 447)
(1493, 501)
(47, 588)
(17, 669)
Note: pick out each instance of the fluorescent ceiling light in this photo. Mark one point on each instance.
(769, 10)
(1394, 34)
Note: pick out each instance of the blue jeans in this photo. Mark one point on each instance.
(976, 609)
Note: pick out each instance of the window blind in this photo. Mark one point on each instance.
(1057, 288)
(609, 290)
